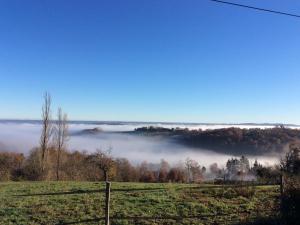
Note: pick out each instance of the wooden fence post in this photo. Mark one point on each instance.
(281, 184)
(107, 200)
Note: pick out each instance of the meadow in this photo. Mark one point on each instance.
(134, 203)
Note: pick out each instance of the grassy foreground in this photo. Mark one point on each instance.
(132, 203)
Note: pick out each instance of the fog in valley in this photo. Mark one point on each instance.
(23, 136)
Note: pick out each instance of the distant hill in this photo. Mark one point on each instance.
(233, 140)
(92, 131)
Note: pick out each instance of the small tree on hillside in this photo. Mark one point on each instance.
(177, 174)
(125, 171)
(163, 171)
(194, 171)
(104, 161)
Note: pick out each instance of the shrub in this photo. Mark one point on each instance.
(245, 191)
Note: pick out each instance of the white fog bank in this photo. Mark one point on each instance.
(23, 136)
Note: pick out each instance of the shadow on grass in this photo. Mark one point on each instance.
(179, 220)
(88, 192)
(195, 188)
(75, 192)
(136, 219)
(82, 221)
(263, 221)
(227, 186)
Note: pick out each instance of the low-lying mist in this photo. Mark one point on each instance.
(22, 137)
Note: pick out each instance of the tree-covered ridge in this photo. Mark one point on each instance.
(231, 140)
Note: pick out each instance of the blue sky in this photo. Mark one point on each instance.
(151, 60)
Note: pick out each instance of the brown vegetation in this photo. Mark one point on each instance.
(81, 166)
(290, 191)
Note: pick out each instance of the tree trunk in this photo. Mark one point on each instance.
(58, 165)
(105, 175)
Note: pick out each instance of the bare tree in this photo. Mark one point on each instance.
(46, 130)
(163, 171)
(194, 171)
(188, 165)
(104, 161)
(60, 137)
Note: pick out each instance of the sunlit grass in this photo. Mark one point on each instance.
(83, 202)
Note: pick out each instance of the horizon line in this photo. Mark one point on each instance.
(153, 122)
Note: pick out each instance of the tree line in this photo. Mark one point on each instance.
(62, 164)
(232, 140)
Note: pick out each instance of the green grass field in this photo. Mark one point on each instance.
(132, 203)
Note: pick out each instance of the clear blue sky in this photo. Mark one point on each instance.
(151, 60)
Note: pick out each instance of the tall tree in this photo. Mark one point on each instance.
(60, 137)
(291, 162)
(290, 185)
(46, 130)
